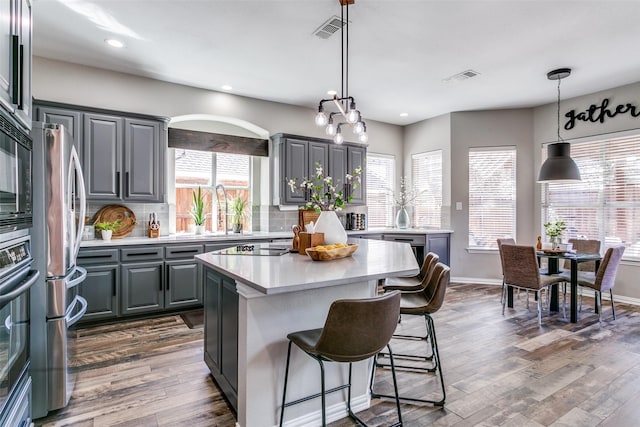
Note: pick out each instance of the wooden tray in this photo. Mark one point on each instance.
(111, 213)
(332, 254)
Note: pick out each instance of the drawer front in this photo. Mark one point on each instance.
(144, 253)
(182, 251)
(97, 256)
(413, 239)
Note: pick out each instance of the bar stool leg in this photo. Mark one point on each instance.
(286, 378)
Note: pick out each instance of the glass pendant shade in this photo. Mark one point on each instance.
(559, 165)
(321, 118)
(353, 115)
(358, 128)
(331, 129)
(338, 138)
(363, 137)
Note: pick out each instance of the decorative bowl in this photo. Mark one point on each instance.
(331, 254)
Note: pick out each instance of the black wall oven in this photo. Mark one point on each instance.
(15, 178)
(16, 279)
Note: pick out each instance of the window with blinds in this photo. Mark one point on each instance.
(380, 183)
(426, 176)
(605, 205)
(492, 196)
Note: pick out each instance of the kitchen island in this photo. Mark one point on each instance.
(253, 302)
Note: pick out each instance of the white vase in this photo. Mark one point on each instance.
(329, 224)
(200, 229)
(402, 218)
(106, 234)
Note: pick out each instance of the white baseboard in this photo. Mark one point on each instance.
(586, 291)
(334, 412)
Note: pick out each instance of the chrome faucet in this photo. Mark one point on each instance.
(226, 207)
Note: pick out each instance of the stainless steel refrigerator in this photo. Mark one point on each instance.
(60, 207)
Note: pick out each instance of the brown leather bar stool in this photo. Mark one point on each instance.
(348, 336)
(413, 283)
(422, 303)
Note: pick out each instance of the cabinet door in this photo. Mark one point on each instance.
(337, 164)
(439, 244)
(142, 287)
(356, 157)
(229, 335)
(143, 161)
(102, 156)
(23, 31)
(318, 154)
(296, 156)
(100, 289)
(6, 59)
(212, 291)
(71, 120)
(184, 284)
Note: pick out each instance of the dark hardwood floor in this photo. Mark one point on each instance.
(499, 371)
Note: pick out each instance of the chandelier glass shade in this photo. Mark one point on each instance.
(559, 166)
(344, 105)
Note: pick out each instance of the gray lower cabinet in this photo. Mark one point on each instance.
(421, 243)
(441, 245)
(142, 287)
(221, 332)
(101, 287)
(183, 276)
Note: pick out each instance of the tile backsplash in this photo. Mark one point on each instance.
(141, 211)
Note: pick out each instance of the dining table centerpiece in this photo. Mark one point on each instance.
(555, 230)
(327, 197)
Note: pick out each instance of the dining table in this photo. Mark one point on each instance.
(553, 267)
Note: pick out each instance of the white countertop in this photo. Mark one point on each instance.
(374, 259)
(256, 235)
(188, 238)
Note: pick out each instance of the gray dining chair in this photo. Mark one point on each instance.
(584, 246)
(503, 241)
(521, 271)
(603, 280)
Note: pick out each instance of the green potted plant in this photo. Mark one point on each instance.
(107, 228)
(197, 211)
(238, 212)
(554, 230)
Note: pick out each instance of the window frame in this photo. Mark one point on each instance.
(436, 207)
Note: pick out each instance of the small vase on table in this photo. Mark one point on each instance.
(329, 224)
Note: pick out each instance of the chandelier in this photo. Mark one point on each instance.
(559, 165)
(347, 113)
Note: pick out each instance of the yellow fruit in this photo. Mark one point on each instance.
(320, 248)
(340, 245)
(329, 247)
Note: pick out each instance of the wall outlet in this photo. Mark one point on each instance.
(458, 206)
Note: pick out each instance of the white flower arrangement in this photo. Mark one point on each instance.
(324, 194)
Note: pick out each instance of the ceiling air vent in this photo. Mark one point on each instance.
(329, 27)
(467, 74)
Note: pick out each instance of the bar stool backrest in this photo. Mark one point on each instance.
(356, 329)
(435, 292)
(430, 261)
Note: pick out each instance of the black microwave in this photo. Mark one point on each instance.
(16, 204)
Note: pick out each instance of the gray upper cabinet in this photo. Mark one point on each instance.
(70, 119)
(102, 156)
(15, 59)
(295, 157)
(143, 161)
(356, 158)
(123, 156)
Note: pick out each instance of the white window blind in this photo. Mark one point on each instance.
(492, 196)
(605, 205)
(426, 176)
(380, 182)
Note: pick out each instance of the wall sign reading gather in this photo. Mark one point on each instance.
(598, 113)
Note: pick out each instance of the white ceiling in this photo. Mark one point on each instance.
(400, 50)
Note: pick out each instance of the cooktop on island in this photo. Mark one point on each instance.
(256, 250)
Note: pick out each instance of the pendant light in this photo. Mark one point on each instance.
(559, 165)
(345, 104)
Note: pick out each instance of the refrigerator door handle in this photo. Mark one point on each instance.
(75, 160)
(71, 320)
(75, 281)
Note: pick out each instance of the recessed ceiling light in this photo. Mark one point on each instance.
(226, 87)
(404, 114)
(332, 92)
(114, 43)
